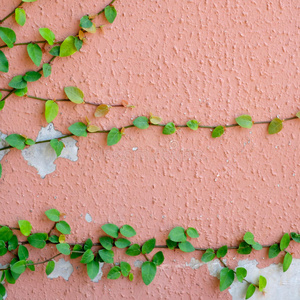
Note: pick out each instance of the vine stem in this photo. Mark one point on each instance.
(33, 42)
(11, 13)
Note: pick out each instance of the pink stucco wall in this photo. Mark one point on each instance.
(209, 60)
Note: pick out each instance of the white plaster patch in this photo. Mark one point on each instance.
(63, 269)
(42, 156)
(138, 263)
(100, 273)
(3, 144)
(88, 218)
(194, 263)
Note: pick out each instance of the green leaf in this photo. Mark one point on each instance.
(171, 245)
(217, 132)
(287, 261)
(130, 277)
(63, 248)
(111, 229)
(48, 35)
(298, 114)
(53, 214)
(2, 103)
(125, 268)
(55, 51)
(35, 53)
(250, 291)
(134, 250)
(169, 129)
(25, 227)
(110, 13)
(226, 278)
(63, 227)
(295, 237)
(141, 122)
(20, 16)
(50, 267)
(38, 240)
(74, 94)
(78, 43)
(0, 170)
(148, 272)
(114, 273)
(29, 142)
(193, 124)
(222, 251)
(29, 0)
(208, 255)
(8, 36)
(93, 269)
(74, 254)
(148, 246)
(158, 258)
(2, 290)
(3, 249)
(257, 246)
(274, 250)
(186, 247)
(18, 267)
(32, 76)
(87, 257)
(262, 283)
(106, 242)
(275, 126)
(241, 273)
(54, 239)
(107, 256)
(244, 121)
(88, 244)
(13, 243)
(122, 243)
(18, 82)
(177, 234)
(67, 47)
(85, 22)
(57, 145)
(4, 65)
(249, 238)
(23, 252)
(47, 70)
(192, 232)
(5, 234)
(16, 141)
(285, 241)
(244, 248)
(21, 92)
(127, 231)
(78, 129)
(113, 137)
(8, 277)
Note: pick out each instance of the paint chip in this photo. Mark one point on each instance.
(62, 269)
(3, 144)
(88, 218)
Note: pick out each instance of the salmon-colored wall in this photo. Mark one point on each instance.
(209, 60)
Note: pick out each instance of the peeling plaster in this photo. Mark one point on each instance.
(42, 156)
(63, 269)
(100, 273)
(3, 144)
(88, 218)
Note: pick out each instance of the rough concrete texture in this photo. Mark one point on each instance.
(208, 60)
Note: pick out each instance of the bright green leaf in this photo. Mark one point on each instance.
(250, 291)
(111, 229)
(106, 242)
(21, 92)
(186, 247)
(114, 273)
(4, 65)
(122, 243)
(35, 53)
(285, 241)
(169, 129)
(74, 94)
(222, 251)
(63, 227)
(16, 141)
(67, 47)
(25, 227)
(85, 22)
(2, 290)
(226, 278)
(130, 276)
(148, 272)
(2, 103)
(29, 142)
(134, 250)
(148, 246)
(48, 35)
(287, 261)
(38, 240)
(298, 114)
(18, 267)
(53, 214)
(208, 255)
(107, 256)
(18, 82)
(217, 132)
(127, 231)
(8, 36)
(78, 129)
(20, 16)
(87, 257)
(110, 13)
(47, 70)
(244, 121)
(32, 76)
(275, 126)
(113, 137)
(241, 273)
(50, 267)
(193, 124)
(125, 268)
(257, 246)
(5, 234)
(158, 258)
(192, 232)
(262, 283)
(63, 248)
(93, 269)
(23, 252)
(177, 234)
(57, 145)
(141, 122)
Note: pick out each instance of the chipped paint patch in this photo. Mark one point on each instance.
(42, 156)
(88, 218)
(3, 144)
(62, 269)
(138, 263)
(100, 273)
(194, 263)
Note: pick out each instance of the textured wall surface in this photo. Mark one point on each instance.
(209, 60)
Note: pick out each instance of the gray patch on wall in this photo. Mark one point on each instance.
(62, 269)
(42, 156)
(100, 273)
(2, 145)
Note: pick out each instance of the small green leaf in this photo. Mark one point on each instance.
(8, 277)
(241, 273)
(125, 268)
(262, 283)
(18, 267)
(217, 132)
(25, 227)
(57, 145)
(55, 51)
(3, 249)
(85, 22)
(106, 242)
(158, 258)
(298, 114)
(48, 35)
(226, 278)
(186, 247)
(148, 246)
(274, 250)
(13, 243)
(21, 92)
(32, 76)
(141, 122)
(275, 126)
(171, 245)
(134, 250)
(0, 170)
(295, 237)
(78, 129)
(169, 129)
(257, 246)
(47, 70)
(244, 121)
(127, 231)
(222, 251)
(74, 94)
(113, 137)
(23, 252)
(192, 232)
(67, 47)
(107, 256)
(122, 243)
(50, 267)
(38, 240)
(193, 124)
(87, 257)
(75, 254)
(54, 239)
(114, 273)
(18, 82)
(4, 65)
(249, 238)
(250, 291)
(177, 234)
(16, 141)
(287, 261)
(111, 229)
(20, 16)
(63, 227)
(93, 269)
(51, 110)
(110, 13)
(148, 272)
(35, 53)
(53, 214)
(78, 43)
(2, 103)
(8, 36)
(285, 241)
(63, 248)
(88, 244)
(244, 248)
(29, 142)
(29, 0)
(2, 290)
(208, 255)
(130, 276)
(5, 234)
